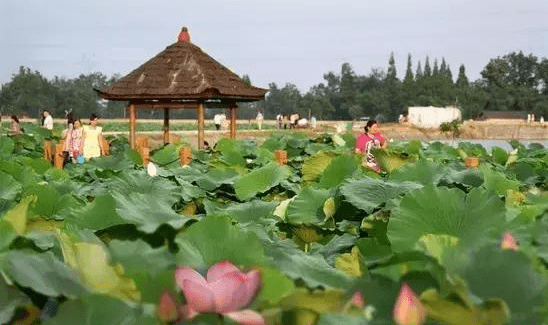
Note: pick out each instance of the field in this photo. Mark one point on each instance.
(320, 239)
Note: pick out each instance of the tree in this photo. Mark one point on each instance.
(28, 93)
(419, 74)
(462, 80)
(282, 101)
(409, 72)
(427, 69)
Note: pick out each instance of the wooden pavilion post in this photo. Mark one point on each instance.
(132, 125)
(166, 125)
(233, 112)
(201, 124)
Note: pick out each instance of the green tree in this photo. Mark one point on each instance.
(28, 93)
(462, 79)
(427, 69)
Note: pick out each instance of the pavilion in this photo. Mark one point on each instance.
(182, 77)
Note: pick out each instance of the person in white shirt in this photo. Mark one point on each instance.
(218, 119)
(48, 120)
(260, 119)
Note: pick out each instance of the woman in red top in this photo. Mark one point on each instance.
(371, 138)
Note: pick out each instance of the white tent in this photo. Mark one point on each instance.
(432, 117)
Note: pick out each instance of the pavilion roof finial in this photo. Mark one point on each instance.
(184, 35)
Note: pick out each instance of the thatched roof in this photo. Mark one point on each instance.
(182, 71)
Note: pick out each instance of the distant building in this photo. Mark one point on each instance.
(503, 115)
(432, 117)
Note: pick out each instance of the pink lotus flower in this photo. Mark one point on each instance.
(167, 308)
(357, 299)
(408, 309)
(509, 241)
(226, 290)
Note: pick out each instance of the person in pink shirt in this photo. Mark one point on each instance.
(371, 138)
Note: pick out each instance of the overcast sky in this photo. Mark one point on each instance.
(279, 41)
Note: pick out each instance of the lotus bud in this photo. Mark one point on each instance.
(408, 309)
(167, 308)
(509, 241)
(357, 299)
(151, 169)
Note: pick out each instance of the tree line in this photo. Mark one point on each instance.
(513, 82)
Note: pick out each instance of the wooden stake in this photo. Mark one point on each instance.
(201, 125)
(132, 125)
(166, 125)
(281, 157)
(233, 112)
(185, 156)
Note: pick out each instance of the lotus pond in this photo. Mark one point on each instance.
(234, 238)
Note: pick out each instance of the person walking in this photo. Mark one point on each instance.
(92, 139)
(48, 120)
(15, 127)
(260, 120)
(74, 141)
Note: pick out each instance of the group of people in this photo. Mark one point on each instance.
(82, 142)
(290, 121)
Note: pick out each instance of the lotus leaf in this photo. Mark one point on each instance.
(99, 309)
(339, 169)
(315, 165)
(443, 211)
(147, 212)
(307, 207)
(423, 172)
(260, 180)
(43, 273)
(369, 193)
(215, 239)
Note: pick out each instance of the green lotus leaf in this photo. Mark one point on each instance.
(369, 193)
(49, 201)
(167, 156)
(443, 211)
(337, 319)
(440, 151)
(423, 171)
(6, 147)
(17, 215)
(435, 245)
(274, 286)
(10, 187)
(516, 282)
(99, 309)
(334, 247)
(467, 177)
(370, 287)
(317, 301)
(350, 263)
(247, 212)
(40, 165)
(260, 180)
(316, 164)
(91, 261)
(372, 252)
(43, 273)
(498, 182)
(307, 207)
(338, 170)
(390, 160)
(42, 239)
(314, 148)
(215, 178)
(215, 239)
(310, 268)
(7, 234)
(147, 212)
(453, 312)
(140, 182)
(499, 155)
(525, 173)
(97, 215)
(10, 299)
(138, 255)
